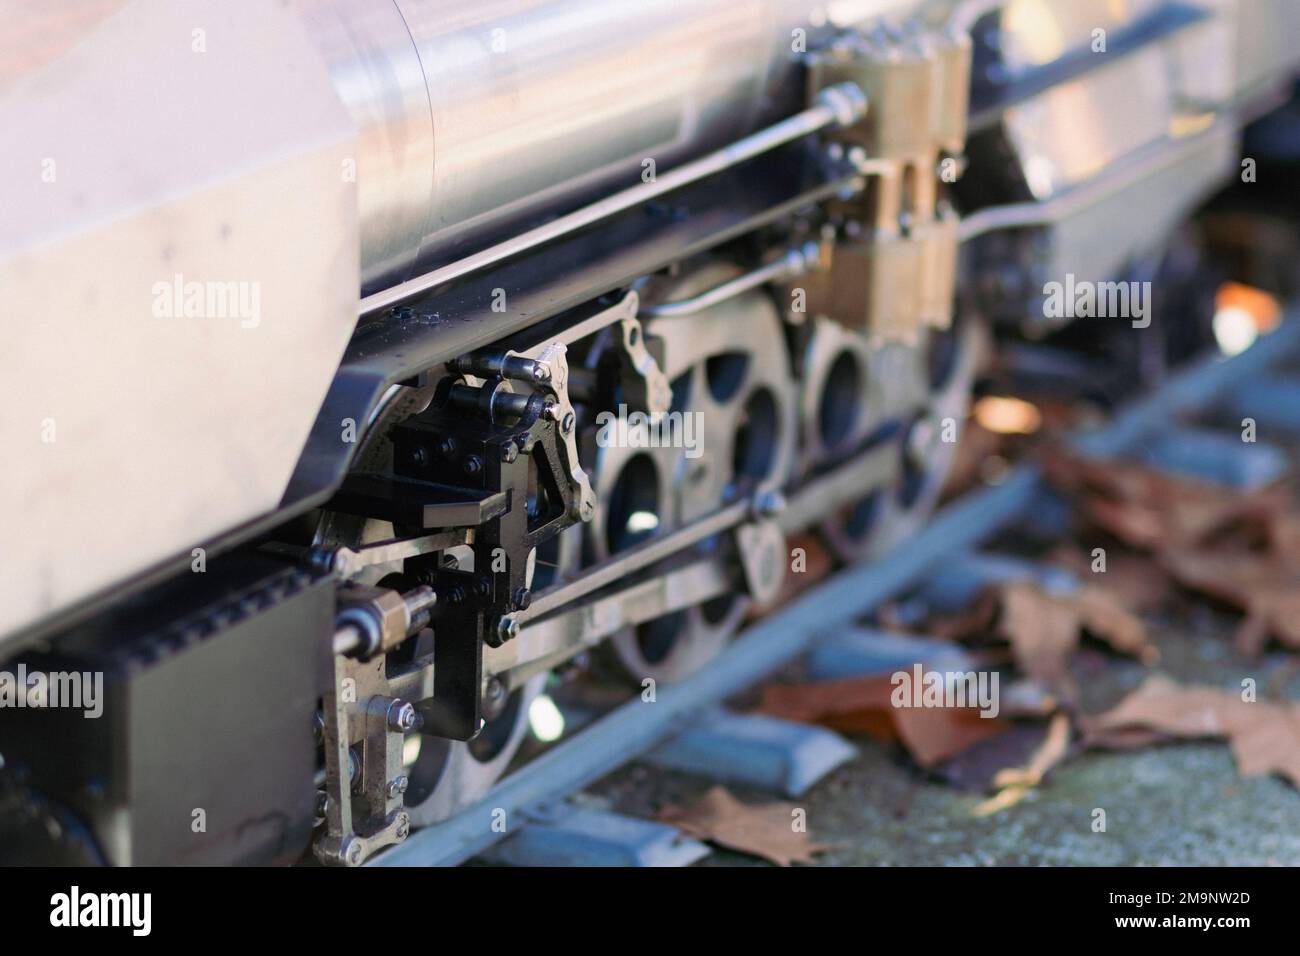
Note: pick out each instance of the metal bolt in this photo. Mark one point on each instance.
(522, 598)
(509, 452)
(448, 445)
(354, 852)
(769, 504)
(921, 439)
(402, 717)
(473, 464)
(494, 697)
(403, 827)
(566, 425)
(508, 628)
(419, 456)
(396, 787)
(321, 559)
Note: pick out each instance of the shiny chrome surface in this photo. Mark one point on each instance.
(481, 119)
(841, 104)
(377, 74)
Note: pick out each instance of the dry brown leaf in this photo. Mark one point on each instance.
(1153, 510)
(810, 702)
(975, 767)
(1238, 547)
(1103, 616)
(1014, 783)
(1264, 735)
(976, 619)
(1001, 800)
(1055, 746)
(1137, 582)
(1264, 586)
(863, 705)
(1044, 628)
(933, 734)
(1284, 537)
(765, 830)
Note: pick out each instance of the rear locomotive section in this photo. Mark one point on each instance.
(371, 361)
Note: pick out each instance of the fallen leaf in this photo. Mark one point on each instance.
(1154, 510)
(1103, 616)
(1263, 585)
(978, 618)
(932, 734)
(864, 705)
(764, 830)
(1043, 631)
(1044, 628)
(1264, 735)
(1284, 537)
(811, 701)
(1138, 582)
(1055, 745)
(1001, 800)
(976, 767)
(1052, 745)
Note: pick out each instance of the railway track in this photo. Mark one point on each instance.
(535, 797)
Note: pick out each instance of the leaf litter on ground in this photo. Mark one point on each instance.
(772, 831)
(1237, 547)
(1241, 548)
